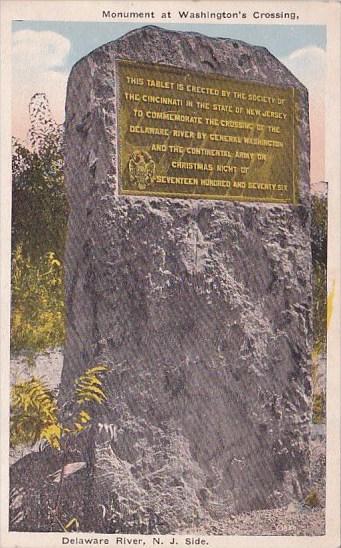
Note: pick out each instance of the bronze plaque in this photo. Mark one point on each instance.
(192, 135)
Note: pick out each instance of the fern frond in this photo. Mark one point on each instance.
(89, 386)
(84, 416)
(52, 434)
(97, 369)
(91, 379)
(81, 422)
(33, 393)
(90, 398)
(33, 414)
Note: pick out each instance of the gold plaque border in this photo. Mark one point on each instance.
(293, 200)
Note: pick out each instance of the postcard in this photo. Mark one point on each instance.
(170, 273)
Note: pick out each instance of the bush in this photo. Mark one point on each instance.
(39, 218)
(37, 302)
(319, 227)
(319, 408)
(34, 413)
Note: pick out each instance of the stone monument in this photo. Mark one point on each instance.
(188, 274)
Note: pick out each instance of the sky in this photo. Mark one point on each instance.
(43, 54)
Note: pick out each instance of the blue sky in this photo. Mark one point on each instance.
(85, 37)
(44, 52)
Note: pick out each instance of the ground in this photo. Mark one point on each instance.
(297, 518)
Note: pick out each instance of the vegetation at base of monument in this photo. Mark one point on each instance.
(34, 418)
(319, 408)
(312, 499)
(319, 227)
(37, 301)
(39, 218)
(34, 413)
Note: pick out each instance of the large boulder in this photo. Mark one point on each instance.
(200, 308)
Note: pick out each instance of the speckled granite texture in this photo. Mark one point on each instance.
(201, 309)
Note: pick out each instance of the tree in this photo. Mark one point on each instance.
(39, 219)
(39, 205)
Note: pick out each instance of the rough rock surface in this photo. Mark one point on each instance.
(200, 308)
(34, 493)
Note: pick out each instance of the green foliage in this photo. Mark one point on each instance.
(34, 418)
(320, 307)
(34, 414)
(319, 228)
(39, 218)
(312, 499)
(39, 206)
(319, 408)
(37, 302)
(89, 386)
